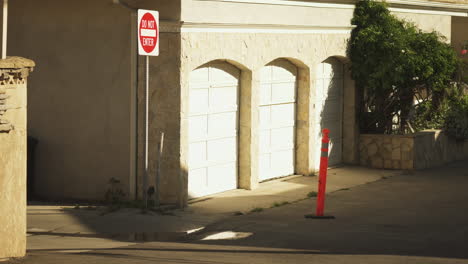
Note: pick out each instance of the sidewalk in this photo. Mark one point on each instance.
(66, 229)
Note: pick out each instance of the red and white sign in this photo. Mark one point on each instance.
(148, 32)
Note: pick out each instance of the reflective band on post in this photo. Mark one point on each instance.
(324, 149)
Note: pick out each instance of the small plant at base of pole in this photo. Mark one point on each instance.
(114, 195)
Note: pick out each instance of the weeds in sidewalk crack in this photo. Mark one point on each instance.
(256, 210)
(278, 204)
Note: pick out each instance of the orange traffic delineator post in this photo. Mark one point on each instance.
(322, 179)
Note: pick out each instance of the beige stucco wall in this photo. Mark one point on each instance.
(266, 14)
(459, 32)
(450, 1)
(164, 108)
(80, 99)
(83, 101)
(13, 76)
(338, 15)
(430, 22)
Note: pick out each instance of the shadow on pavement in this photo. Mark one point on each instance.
(424, 213)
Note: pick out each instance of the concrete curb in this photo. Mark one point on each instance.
(162, 236)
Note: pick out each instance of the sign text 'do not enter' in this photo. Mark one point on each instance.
(148, 33)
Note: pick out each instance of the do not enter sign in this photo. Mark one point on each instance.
(148, 32)
(148, 45)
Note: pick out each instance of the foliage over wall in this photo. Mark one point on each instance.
(456, 121)
(394, 62)
(452, 113)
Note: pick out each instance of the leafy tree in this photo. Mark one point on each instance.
(394, 62)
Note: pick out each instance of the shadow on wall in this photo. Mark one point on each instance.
(330, 85)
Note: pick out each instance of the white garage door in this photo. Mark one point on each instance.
(329, 106)
(277, 119)
(213, 129)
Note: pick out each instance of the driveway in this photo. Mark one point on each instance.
(419, 217)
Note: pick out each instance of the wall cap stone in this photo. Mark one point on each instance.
(412, 135)
(16, 63)
(388, 135)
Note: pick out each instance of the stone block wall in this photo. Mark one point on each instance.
(386, 151)
(13, 75)
(421, 150)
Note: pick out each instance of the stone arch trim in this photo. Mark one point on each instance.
(304, 108)
(234, 63)
(246, 116)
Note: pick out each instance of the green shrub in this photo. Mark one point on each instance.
(426, 117)
(456, 122)
(463, 71)
(392, 62)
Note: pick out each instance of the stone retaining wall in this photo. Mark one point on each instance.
(13, 76)
(420, 150)
(434, 148)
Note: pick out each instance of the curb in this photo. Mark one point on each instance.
(128, 237)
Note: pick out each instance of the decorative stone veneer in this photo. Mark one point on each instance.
(13, 74)
(9, 79)
(421, 150)
(386, 151)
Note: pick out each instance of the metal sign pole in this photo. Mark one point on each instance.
(158, 174)
(5, 29)
(145, 179)
(148, 35)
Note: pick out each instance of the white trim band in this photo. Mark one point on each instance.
(429, 12)
(431, 4)
(255, 30)
(188, 27)
(287, 3)
(428, 7)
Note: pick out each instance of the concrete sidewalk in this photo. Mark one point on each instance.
(67, 229)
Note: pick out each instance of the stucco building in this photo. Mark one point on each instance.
(241, 90)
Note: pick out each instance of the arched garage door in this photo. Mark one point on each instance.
(213, 118)
(277, 119)
(329, 108)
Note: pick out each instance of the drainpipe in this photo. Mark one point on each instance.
(134, 96)
(5, 29)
